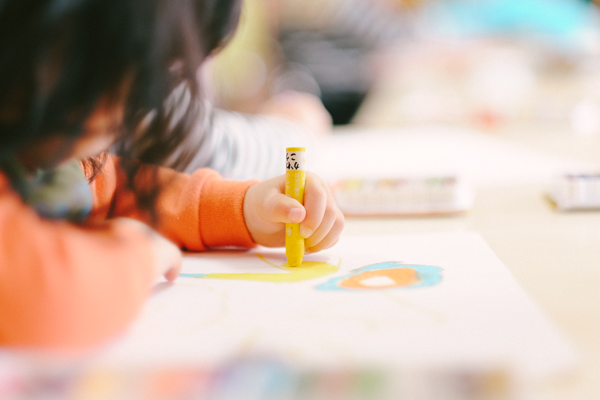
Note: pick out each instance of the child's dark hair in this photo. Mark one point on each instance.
(58, 58)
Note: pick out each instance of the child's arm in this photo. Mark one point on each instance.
(71, 287)
(64, 286)
(203, 210)
(195, 212)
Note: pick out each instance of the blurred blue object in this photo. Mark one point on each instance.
(563, 21)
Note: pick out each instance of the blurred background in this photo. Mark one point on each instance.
(484, 63)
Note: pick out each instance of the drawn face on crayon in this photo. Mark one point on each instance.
(295, 160)
(292, 161)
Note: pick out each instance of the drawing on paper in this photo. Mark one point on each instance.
(386, 275)
(305, 271)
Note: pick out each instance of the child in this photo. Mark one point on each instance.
(77, 255)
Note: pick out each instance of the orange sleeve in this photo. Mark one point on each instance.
(196, 212)
(63, 286)
(70, 287)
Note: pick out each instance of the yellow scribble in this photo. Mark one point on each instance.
(305, 271)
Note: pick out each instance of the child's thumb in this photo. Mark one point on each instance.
(285, 209)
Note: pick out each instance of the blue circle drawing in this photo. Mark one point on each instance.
(426, 275)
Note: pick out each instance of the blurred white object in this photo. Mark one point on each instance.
(502, 80)
(428, 196)
(585, 118)
(576, 192)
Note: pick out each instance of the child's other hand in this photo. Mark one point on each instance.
(167, 256)
(267, 209)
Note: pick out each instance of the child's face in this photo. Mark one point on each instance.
(100, 132)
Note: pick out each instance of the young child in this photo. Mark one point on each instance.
(77, 253)
(237, 145)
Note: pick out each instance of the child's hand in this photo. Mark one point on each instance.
(167, 256)
(267, 209)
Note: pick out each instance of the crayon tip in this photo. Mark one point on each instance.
(295, 256)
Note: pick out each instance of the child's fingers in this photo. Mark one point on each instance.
(324, 245)
(283, 209)
(324, 221)
(329, 219)
(168, 258)
(316, 202)
(330, 237)
(173, 272)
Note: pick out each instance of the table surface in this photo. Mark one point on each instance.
(555, 256)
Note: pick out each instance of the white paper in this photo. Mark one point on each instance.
(477, 314)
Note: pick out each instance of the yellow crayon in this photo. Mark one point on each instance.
(294, 187)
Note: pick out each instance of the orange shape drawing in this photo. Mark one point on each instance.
(386, 275)
(382, 279)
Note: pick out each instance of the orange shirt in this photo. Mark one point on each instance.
(69, 287)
